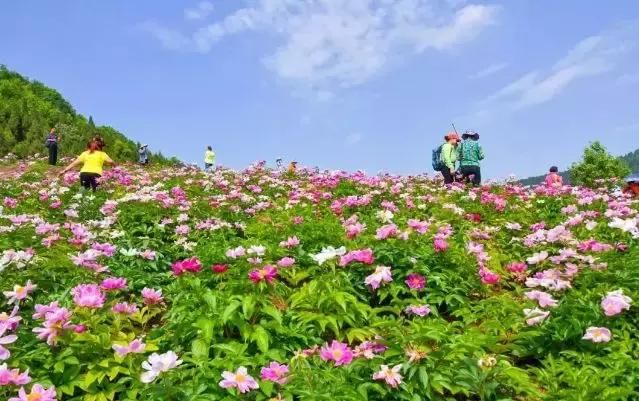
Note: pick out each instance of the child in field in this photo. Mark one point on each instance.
(553, 179)
(92, 160)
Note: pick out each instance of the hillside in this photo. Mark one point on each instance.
(28, 109)
(631, 158)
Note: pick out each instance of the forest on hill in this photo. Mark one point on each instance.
(28, 110)
(631, 159)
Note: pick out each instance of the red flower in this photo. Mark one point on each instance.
(219, 268)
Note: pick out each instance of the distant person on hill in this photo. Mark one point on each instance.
(449, 157)
(470, 155)
(209, 158)
(292, 168)
(143, 153)
(632, 187)
(92, 160)
(52, 141)
(553, 179)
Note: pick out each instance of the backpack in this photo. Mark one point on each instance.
(438, 164)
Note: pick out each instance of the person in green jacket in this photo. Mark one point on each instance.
(209, 158)
(449, 157)
(470, 156)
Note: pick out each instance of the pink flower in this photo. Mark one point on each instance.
(182, 229)
(13, 376)
(419, 226)
(275, 372)
(368, 349)
(291, 242)
(268, 274)
(192, 265)
(88, 296)
(382, 275)
(286, 262)
(151, 296)
(419, 310)
(113, 284)
(10, 202)
(597, 334)
(535, 316)
(517, 267)
(364, 256)
(390, 376)
(488, 277)
(148, 254)
(440, 245)
(240, 380)
(355, 229)
(134, 347)
(337, 352)
(387, 231)
(38, 393)
(19, 293)
(544, 299)
(125, 308)
(10, 321)
(5, 340)
(236, 253)
(298, 220)
(615, 302)
(415, 281)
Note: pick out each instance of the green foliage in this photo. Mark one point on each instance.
(597, 167)
(29, 109)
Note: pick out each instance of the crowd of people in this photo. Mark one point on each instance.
(458, 159)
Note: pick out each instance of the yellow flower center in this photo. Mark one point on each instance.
(240, 378)
(34, 397)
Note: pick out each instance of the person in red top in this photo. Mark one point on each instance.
(632, 188)
(553, 179)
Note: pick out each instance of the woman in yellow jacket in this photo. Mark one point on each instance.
(92, 161)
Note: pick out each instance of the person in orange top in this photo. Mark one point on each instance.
(92, 160)
(292, 168)
(632, 188)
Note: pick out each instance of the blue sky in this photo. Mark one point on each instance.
(353, 84)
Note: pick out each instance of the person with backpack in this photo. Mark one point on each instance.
(470, 155)
(53, 138)
(553, 179)
(445, 156)
(92, 160)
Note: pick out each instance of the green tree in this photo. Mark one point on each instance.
(596, 165)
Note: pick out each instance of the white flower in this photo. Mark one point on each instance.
(627, 225)
(258, 250)
(157, 364)
(537, 258)
(591, 225)
(327, 254)
(386, 216)
(129, 252)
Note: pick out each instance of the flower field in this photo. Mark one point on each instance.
(173, 284)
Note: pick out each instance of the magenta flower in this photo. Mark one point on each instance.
(88, 296)
(275, 372)
(364, 256)
(240, 380)
(151, 296)
(440, 245)
(415, 281)
(598, 334)
(192, 265)
(386, 231)
(382, 275)
(38, 393)
(19, 293)
(291, 242)
(488, 277)
(390, 375)
(517, 267)
(267, 273)
(13, 376)
(113, 284)
(337, 352)
(615, 302)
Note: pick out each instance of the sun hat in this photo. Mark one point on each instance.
(470, 134)
(452, 135)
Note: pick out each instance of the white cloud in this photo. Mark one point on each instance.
(354, 138)
(331, 44)
(594, 55)
(169, 38)
(490, 70)
(203, 10)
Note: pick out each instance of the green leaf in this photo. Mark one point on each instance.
(229, 310)
(260, 336)
(200, 349)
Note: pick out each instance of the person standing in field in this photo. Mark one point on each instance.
(53, 138)
(470, 156)
(209, 158)
(553, 179)
(92, 160)
(449, 157)
(143, 152)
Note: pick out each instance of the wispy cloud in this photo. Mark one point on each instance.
(170, 39)
(332, 44)
(203, 10)
(354, 138)
(592, 56)
(490, 70)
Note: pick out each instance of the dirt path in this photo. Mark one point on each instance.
(16, 171)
